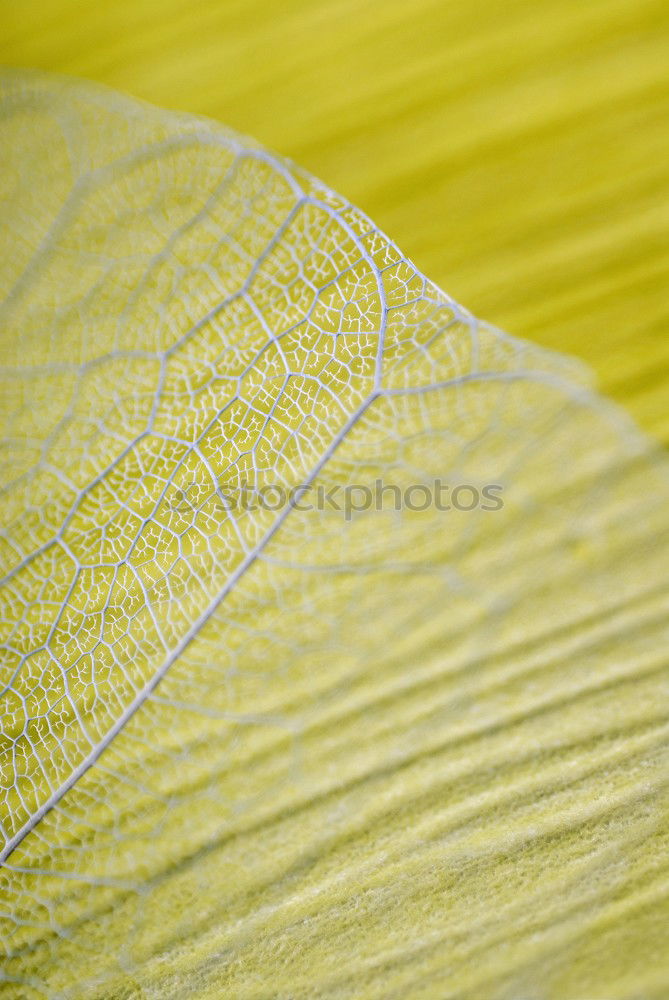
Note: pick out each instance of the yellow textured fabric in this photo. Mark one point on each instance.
(422, 755)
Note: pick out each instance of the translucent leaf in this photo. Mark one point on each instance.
(260, 749)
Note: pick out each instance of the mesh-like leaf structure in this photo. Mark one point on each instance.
(284, 749)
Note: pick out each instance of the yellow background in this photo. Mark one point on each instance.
(518, 153)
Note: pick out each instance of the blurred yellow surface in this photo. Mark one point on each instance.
(387, 758)
(518, 152)
(406, 751)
